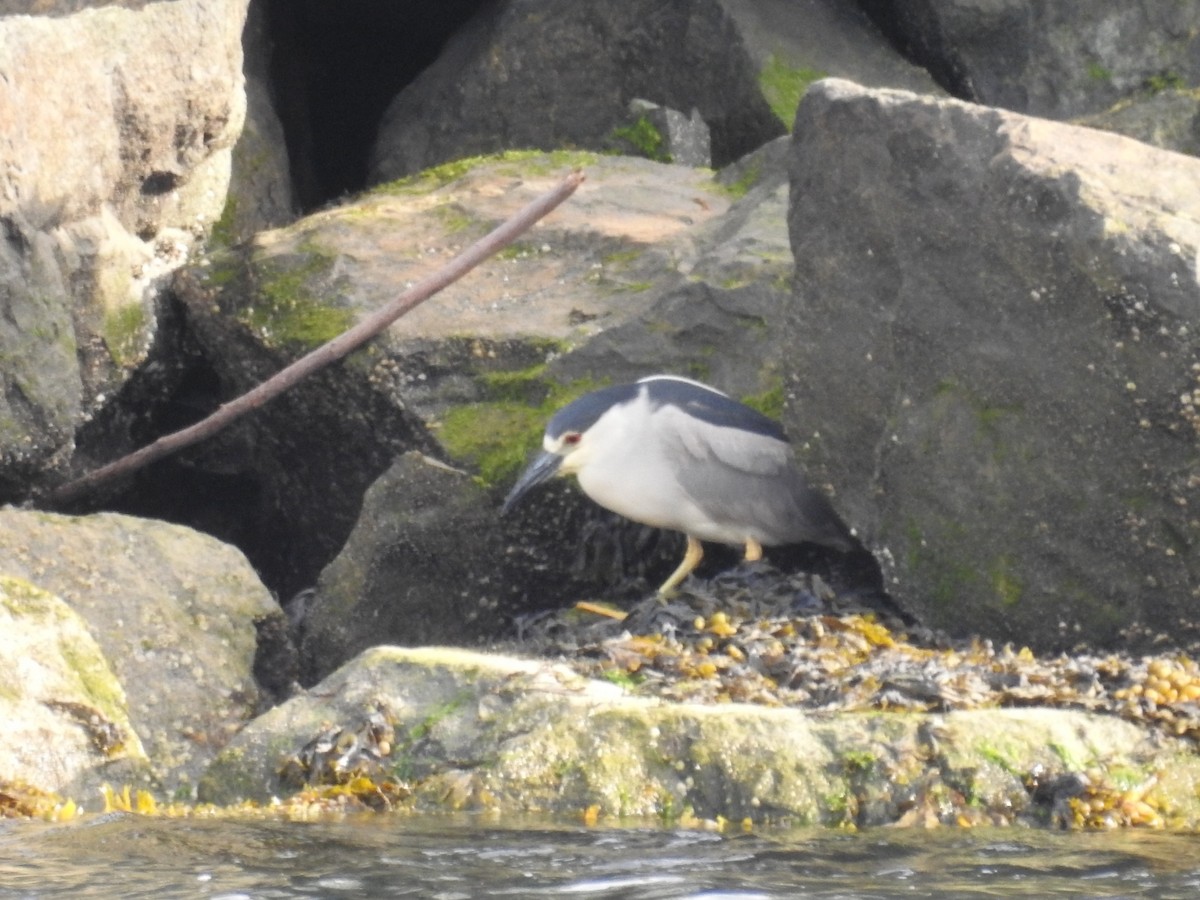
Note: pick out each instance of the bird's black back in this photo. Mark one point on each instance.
(710, 405)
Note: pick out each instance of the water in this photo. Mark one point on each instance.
(131, 857)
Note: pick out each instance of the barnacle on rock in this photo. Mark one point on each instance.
(340, 767)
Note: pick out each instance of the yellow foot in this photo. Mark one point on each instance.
(691, 559)
(753, 550)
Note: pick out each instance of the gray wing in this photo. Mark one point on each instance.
(740, 476)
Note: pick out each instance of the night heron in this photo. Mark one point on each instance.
(673, 453)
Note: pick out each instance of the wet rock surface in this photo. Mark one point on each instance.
(444, 729)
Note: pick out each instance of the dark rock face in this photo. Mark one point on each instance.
(996, 339)
(402, 576)
(1046, 58)
(286, 483)
(532, 73)
(429, 562)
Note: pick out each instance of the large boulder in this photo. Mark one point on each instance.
(1044, 57)
(423, 565)
(488, 732)
(996, 359)
(169, 612)
(115, 156)
(66, 717)
(538, 74)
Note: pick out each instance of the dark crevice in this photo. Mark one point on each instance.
(159, 183)
(914, 30)
(335, 67)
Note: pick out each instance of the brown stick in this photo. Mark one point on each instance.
(340, 346)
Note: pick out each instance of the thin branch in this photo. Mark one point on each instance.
(340, 346)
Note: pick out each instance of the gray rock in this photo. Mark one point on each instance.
(1169, 119)
(66, 719)
(565, 82)
(42, 385)
(117, 157)
(173, 613)
(995, 344)
(1047, 58)
(421, 567)
(486, 732)
(683, 140)
(260, 193)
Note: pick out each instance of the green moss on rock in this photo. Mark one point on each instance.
(125, 332)
(496, 436)
(783, 86)
(224, 232)
(770, 402)
(741, 185)
(288, 309)
(523, 162)
(82, 660)
(645, 138)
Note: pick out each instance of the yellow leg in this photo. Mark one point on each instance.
(753, 550)
(691, 559)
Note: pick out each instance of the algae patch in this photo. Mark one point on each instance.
(645, 138)
(770, 402)
(497, 434)
(288, 307)
(125, 332)
(515, 162)
(741, 185)
(783, 86)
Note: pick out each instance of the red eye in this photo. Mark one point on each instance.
(572, 437)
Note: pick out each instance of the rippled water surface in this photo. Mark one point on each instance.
(132, 857)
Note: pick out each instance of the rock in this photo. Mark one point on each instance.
(420, 567)
(666, 135)
(260, 192)
(995, 336)
(115, 158)
(1043, 58)
(501, 83)
(42, 396)
(66, 719)
(1169, 119)
(796, 42)
(716, 322)
(173, 613)
(476, 731)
